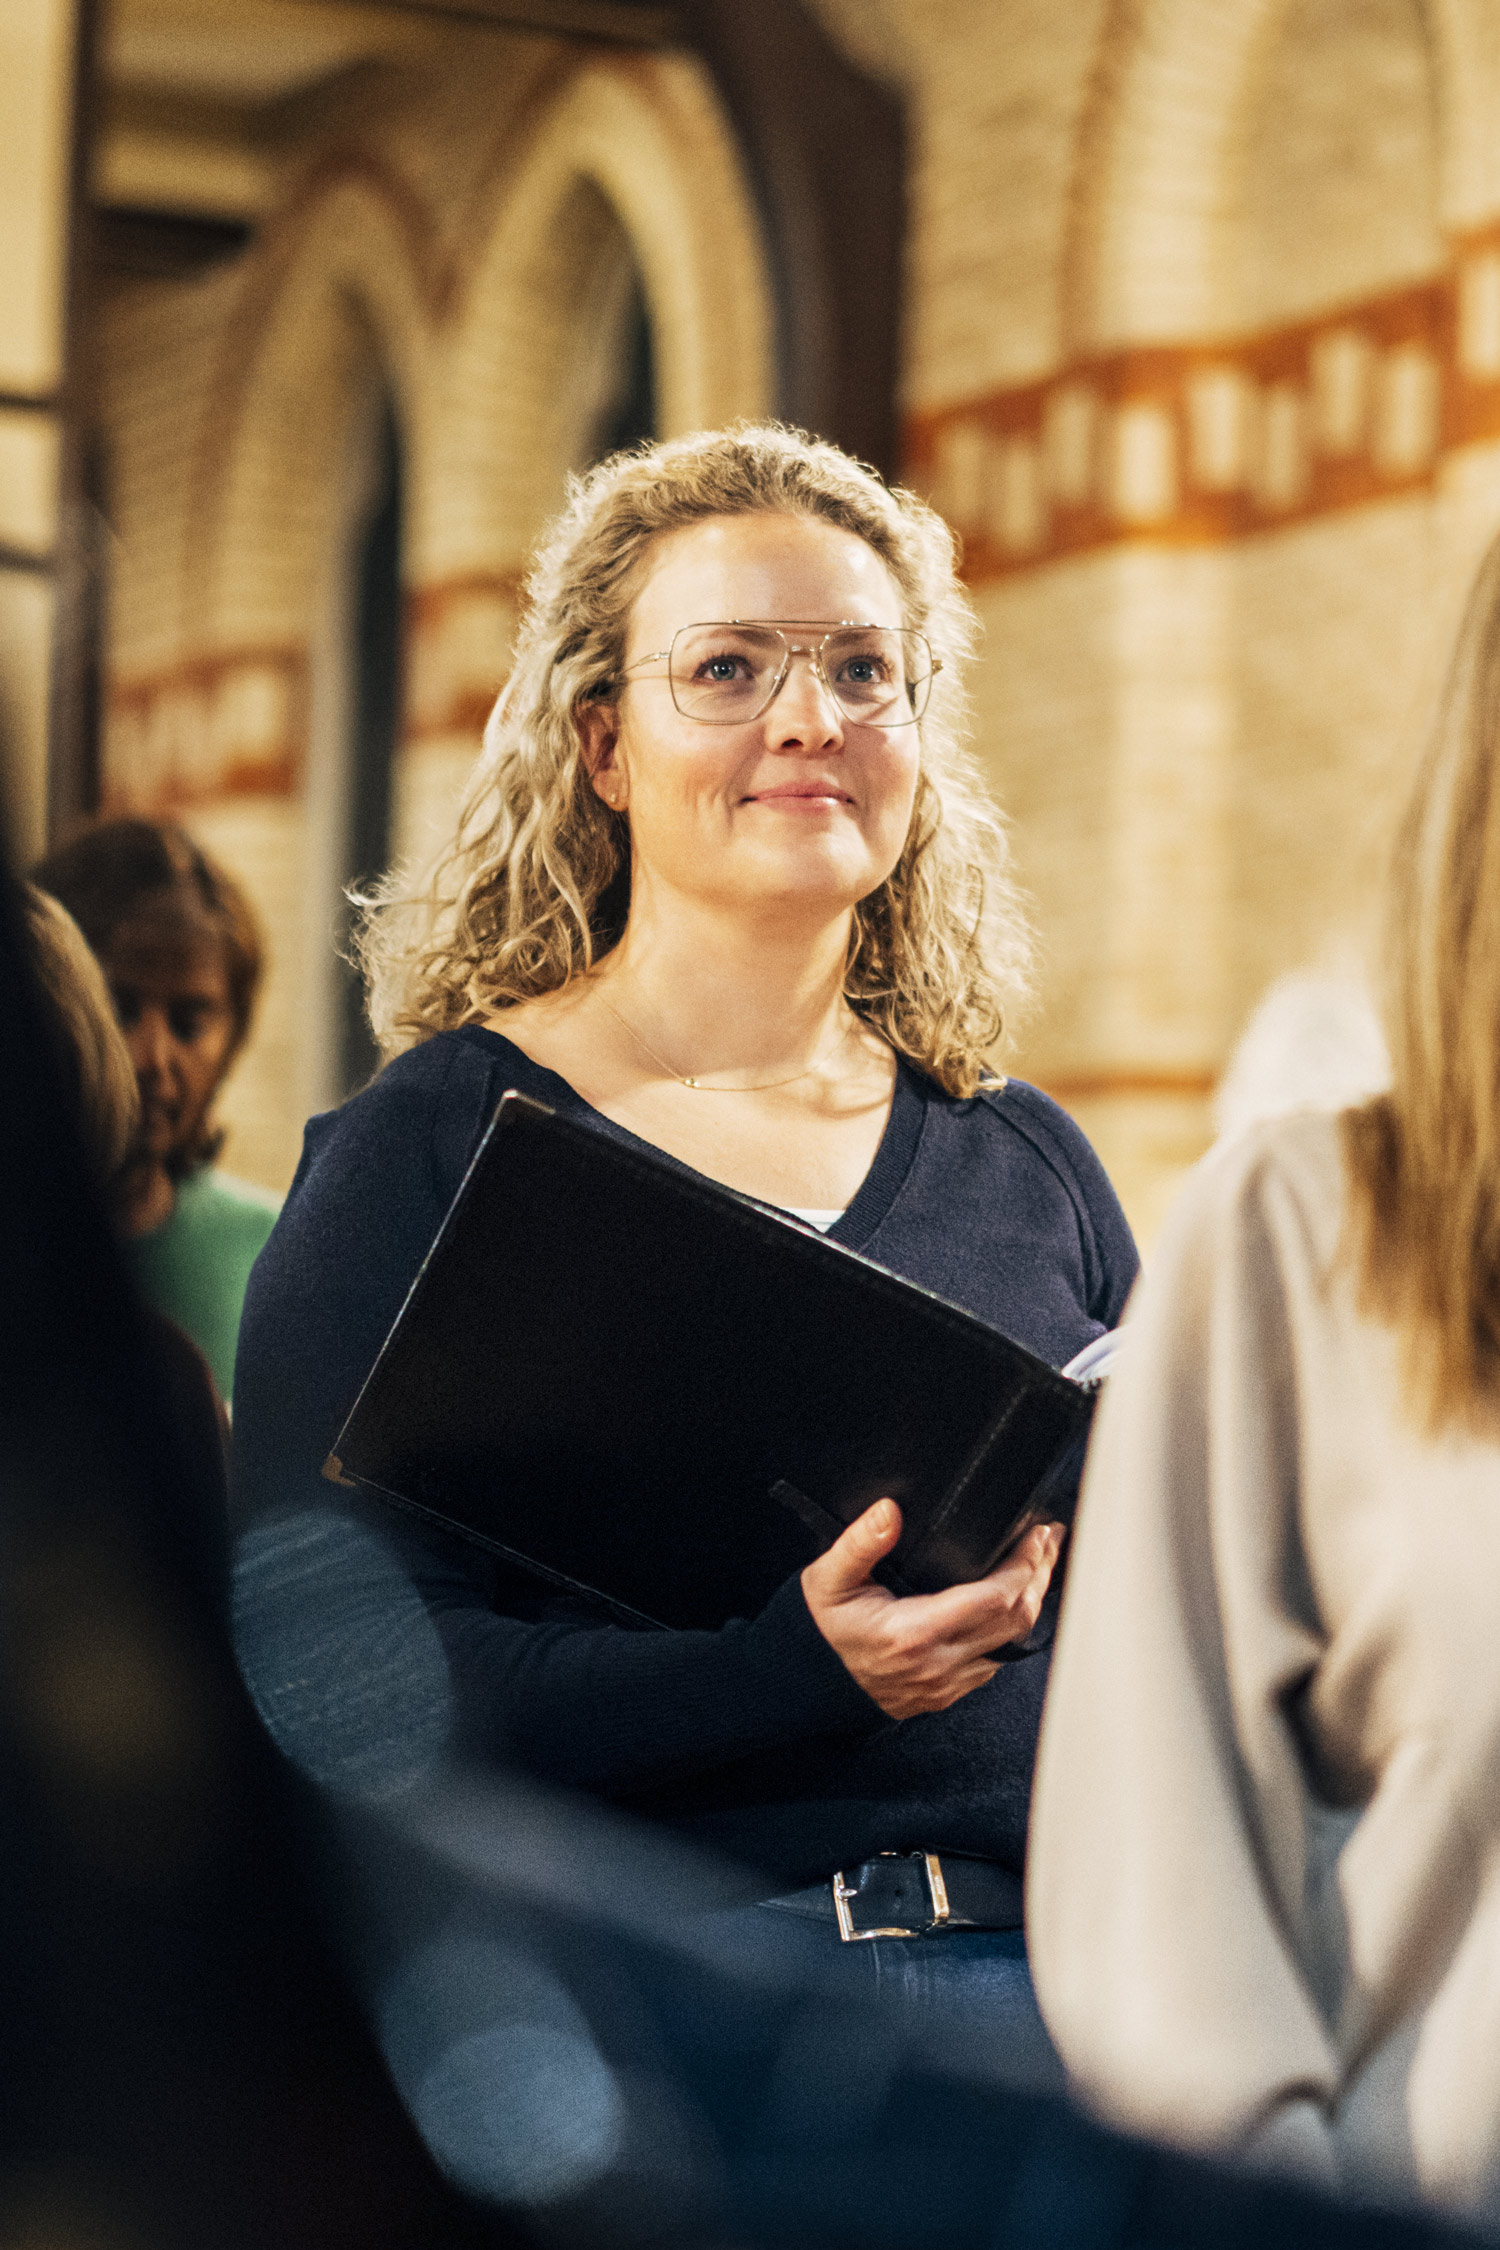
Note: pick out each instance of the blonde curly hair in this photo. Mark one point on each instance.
(535, 886)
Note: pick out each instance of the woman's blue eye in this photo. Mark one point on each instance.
(721, 668)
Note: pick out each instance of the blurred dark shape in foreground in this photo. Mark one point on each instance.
(591, 2057)
(180, 2062)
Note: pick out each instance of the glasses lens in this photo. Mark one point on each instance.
(879, 676)
(721, 673)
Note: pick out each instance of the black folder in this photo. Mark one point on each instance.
(669, 1397)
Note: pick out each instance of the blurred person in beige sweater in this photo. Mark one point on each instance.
(1264, 1876)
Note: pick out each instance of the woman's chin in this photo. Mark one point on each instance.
(158, 1141)
(818, 868)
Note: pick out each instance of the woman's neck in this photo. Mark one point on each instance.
(144, 1198)
(732, 1049)
(714, 996)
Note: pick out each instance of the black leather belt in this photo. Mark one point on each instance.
(913, 1895)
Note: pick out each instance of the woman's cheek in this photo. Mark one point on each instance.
(896, 783)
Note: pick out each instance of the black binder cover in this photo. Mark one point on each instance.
(671, 1398)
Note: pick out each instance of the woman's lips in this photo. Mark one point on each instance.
(803, 793)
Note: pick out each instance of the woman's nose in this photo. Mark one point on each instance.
(150, 1043)
(804, 703)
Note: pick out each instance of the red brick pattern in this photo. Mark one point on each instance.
(217, 726)
(1197, 443)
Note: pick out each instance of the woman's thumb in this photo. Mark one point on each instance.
(855, 1552)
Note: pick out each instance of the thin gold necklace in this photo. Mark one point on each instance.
(696, 1085)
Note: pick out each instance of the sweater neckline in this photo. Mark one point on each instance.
(868, 1206)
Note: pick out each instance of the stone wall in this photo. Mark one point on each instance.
(1202, 359)
(1204, 364)
(37, 74)
(450, 236)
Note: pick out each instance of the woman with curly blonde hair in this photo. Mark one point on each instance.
(726, 883)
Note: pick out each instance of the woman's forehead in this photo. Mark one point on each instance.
(163, 942)
(761, 566)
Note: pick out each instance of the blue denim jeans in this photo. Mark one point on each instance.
(972, 1987)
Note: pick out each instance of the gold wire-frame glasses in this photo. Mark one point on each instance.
(729, 671)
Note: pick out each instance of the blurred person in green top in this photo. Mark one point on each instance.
(182, 956)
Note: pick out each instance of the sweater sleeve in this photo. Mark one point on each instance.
(369, 1649)
(364, 1640)
(1172, 1828)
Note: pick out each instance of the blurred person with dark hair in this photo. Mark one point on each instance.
(1263, 1896)
(182, 956)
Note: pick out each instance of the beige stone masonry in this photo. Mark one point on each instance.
(1201, 357)
(458, 240)
(1192, 444)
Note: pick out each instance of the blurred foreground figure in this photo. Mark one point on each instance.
(182, 955)
(181, 2066)
(91, 1053)
(1264, 1897)
(100, 1079)
(1313, 1042)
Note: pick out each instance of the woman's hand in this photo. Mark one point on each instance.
(925, 1651)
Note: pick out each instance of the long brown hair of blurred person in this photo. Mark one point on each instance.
(88, 1043)
(1424, 1158)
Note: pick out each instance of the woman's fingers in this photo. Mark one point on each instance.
(906, 1700)
(972, 1676)
(845, 1568)
(1041, 1544)
(925, 1651)
(977, 1616)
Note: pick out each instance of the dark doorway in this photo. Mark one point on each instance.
(375, 718)
(629, 416)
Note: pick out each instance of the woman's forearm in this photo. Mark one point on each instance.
(371, 1649)
(605, 1708)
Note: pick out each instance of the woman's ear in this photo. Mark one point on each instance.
(599, 734)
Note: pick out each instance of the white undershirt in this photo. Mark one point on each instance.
(822, 1220)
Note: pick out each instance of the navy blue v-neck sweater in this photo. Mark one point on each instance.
(372, 1646)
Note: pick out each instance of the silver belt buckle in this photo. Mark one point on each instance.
(937, 1891)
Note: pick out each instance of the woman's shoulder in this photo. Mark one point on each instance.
(1043, 1124)
(434, 1065)
(451, 1066)
(1013, 1157)
(377, 1175)
(1059, 1146)
(428, 1104)
(1280, 1182)
(1301, 1151)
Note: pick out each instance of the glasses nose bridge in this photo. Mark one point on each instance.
(813, 651)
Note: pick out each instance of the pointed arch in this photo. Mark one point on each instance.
(1153, 191)
(1152, 253)
(642, 140)
(340, 293)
